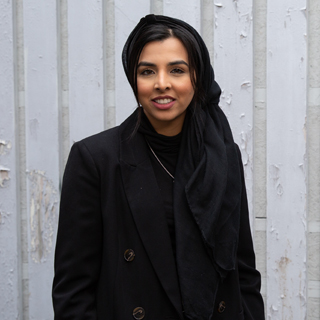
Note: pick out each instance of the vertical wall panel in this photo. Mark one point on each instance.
(259, 135)
(234, 72)
(286, 152)
(63, 83)
(109, 64)
(156, 7)
(207, 26)
(127, 14)
(313, 126)
(9, 241)
(21, 147)
(86, 85)
(40, 40)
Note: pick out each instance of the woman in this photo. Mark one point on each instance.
(153, 218)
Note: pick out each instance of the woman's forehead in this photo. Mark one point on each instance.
(170, 49)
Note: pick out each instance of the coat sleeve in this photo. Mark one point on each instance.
(249, 276)
(79, 239)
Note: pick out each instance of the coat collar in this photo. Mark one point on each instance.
(144, 199)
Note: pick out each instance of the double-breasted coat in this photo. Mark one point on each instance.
(114, 258)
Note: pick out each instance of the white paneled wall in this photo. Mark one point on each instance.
(61, 79)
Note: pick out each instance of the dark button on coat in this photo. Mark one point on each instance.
(129, 255)
(221, 307)
(139, 313)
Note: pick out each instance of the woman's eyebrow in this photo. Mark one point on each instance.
(146, 64)
(172, 63)
(177, 62)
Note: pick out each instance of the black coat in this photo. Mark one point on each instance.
(110, 203)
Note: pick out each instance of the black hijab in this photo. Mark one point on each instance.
(207, 190)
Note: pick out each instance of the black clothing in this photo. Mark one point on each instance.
(167, 150)
(110, 202)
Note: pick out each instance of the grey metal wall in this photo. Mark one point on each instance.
(61, 79)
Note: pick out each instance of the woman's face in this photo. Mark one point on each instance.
(164, 85)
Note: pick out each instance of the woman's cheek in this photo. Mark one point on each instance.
(143, 87)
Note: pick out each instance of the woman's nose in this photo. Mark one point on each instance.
(162, 82)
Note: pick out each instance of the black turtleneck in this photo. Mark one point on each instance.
(167, 149)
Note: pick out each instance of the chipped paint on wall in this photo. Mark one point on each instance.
(245, 146)
(245, 84)
(4, 176)
(281, 271)
(4, 216)
(43, 211)
(5, 147)
(227, 98)
(274, 171)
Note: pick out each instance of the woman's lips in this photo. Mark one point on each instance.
(163, 103)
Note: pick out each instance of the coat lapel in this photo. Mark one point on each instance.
(148, 211)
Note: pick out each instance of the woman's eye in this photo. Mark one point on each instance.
(177, 70)
(146, 72)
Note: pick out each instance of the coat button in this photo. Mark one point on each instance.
(138, 313)
(221, 307)
(129, 255)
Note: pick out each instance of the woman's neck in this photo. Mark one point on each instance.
(167, 128)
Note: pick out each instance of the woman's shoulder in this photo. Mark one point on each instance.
(102, 137)
(102, 143)
(107, 142)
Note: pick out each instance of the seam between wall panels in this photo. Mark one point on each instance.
(109, 63)
(156, 7)
(259, 138)
(207, 26)
(313, 163)
(22, 230)
(63, 85)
